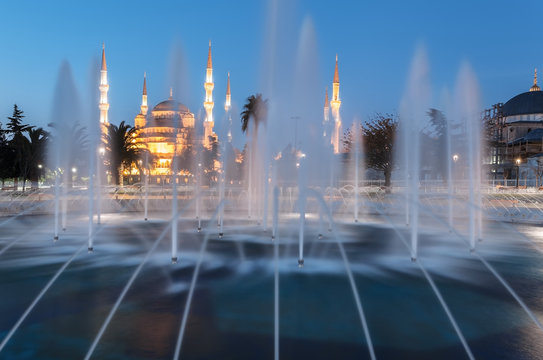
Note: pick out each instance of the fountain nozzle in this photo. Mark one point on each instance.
(413, 259)
(90, 249)
(174, 260)
(220, 235)
(55, 239)
(300, 263)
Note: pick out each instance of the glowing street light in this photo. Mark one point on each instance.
(455, 158)
(74, 170)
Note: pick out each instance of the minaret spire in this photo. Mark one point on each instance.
(208, 103)
(143, 106)
(209, 62)
(228, 101)
(535, 87)
(336, 73)
(104, 88)
(104, 65)
(335, 105)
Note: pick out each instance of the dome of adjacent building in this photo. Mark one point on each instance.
(530, 102)
(171, 105)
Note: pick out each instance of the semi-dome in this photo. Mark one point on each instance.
(530, 102)
(171, 105)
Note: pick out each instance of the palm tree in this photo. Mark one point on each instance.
(256, 109)
(121, 148)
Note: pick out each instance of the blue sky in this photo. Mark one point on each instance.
(375, 41)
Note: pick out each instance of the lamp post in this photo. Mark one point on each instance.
(518, 170)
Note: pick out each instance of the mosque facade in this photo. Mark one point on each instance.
(169, 128)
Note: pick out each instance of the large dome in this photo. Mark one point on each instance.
(171, 105)
(530, 102)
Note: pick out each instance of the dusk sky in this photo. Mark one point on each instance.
(375, 41)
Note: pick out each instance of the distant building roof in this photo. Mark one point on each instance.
(535, 135)
(530, 102)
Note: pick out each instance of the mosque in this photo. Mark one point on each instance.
(516, 134)
(170, 127)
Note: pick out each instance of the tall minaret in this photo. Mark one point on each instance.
(335, 104)
(208, 103)
(143, 106)
(104, 88)
(326, 119)
(140, 119)
(227, 105)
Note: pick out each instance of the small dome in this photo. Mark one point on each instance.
(171, 105)
(530, 102)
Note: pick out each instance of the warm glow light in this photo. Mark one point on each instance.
(455, 157)
(74, 170)
(518, 161)
(40, 166)
(102, 150)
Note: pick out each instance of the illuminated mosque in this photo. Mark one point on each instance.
(170, 128)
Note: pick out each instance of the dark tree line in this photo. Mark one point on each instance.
(22, 150)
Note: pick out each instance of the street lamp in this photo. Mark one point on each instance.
(455, 158)
(518, 170)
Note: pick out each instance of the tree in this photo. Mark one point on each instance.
(16, 129)
(7, 157)
(256, 108)
(121, 149)
(379, 134)
(34, 155)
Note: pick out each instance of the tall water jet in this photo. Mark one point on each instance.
(302, 207)
(467, 106)
(415, 103)
(174, 196)
(146, 188)
(356, 143)
(93, 127)
(64, 147)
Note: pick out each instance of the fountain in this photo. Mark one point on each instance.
(368, 288)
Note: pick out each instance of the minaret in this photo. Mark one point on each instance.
(228, 102)
(208, 103)
(335, 104)
(140, 119)
(143, 106)
(104, 88)
(534, 86)
(326, 118)
(227, 105)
